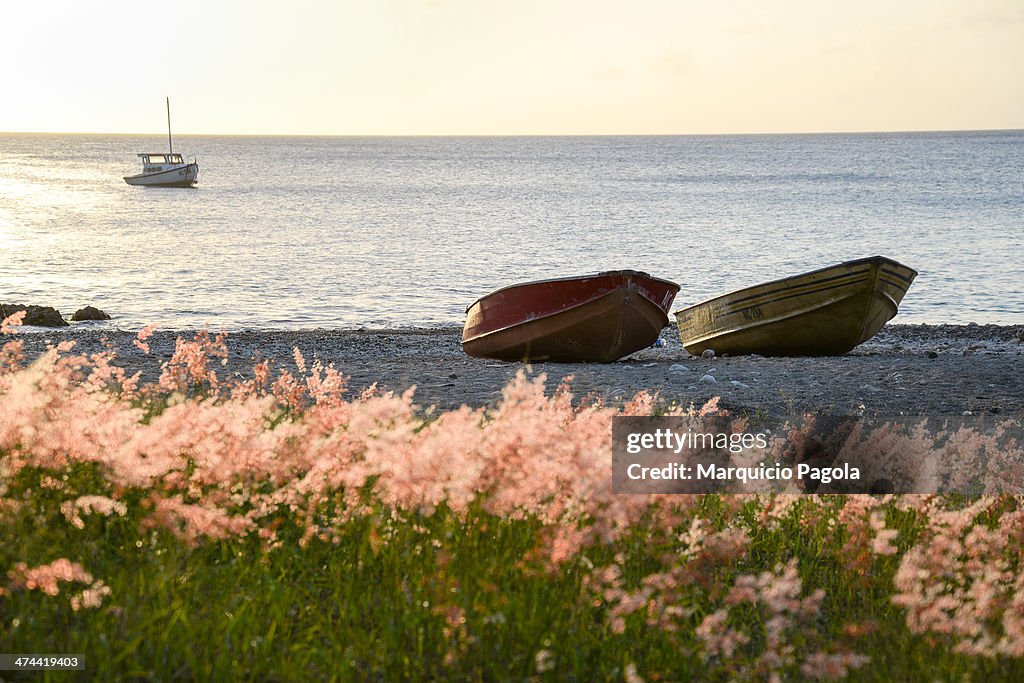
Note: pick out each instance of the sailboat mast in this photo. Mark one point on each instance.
(170, 149)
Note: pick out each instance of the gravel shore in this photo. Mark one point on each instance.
(905, 369)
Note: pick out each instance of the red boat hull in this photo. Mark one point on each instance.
(593, 318)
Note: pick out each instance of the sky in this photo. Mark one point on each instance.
(511, 67)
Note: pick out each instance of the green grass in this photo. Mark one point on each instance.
(372, 605)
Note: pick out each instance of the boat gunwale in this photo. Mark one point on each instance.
(809, 292)
(540, 319)
(873, 260)
(850, 278)
(795, 313)
(562, 311)
(609, 273)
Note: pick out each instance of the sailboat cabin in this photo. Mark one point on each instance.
(165, 170)
(153, 163)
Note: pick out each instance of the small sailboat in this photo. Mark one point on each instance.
(165, 170)
(821, 313)
(587, 319)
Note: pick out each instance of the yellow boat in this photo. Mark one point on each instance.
(822, 313)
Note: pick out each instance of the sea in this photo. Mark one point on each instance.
(378, 232)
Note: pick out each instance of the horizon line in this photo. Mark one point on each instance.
(526, 135)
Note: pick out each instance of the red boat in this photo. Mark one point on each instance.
(592, 318)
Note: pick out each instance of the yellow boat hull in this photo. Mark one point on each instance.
(822, 313)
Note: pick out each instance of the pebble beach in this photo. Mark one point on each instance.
(904, 370)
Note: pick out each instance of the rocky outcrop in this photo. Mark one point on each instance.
(89, 313)
(41, 316)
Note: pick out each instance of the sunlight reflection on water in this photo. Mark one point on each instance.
(344, 232)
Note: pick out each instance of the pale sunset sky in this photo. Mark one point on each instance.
(421, 67)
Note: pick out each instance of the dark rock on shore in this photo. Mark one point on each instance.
(41, 316)
(89, 313)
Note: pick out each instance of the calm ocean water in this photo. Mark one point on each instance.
(349, 232)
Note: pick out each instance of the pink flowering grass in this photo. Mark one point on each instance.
(279, 528)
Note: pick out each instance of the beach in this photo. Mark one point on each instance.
(904, 370)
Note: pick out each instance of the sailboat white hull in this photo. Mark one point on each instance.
(179, 176)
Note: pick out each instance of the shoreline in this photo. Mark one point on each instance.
(908, 369)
